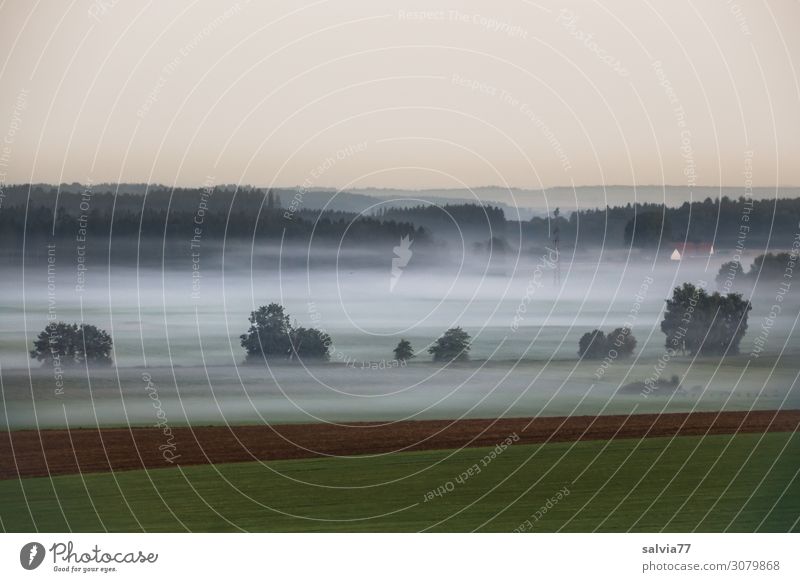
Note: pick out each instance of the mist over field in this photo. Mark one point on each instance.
(176, 338)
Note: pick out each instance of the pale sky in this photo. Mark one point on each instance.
(355, 94)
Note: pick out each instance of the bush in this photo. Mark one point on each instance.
(69, 344)
(452, 346)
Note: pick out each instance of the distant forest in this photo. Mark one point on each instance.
(174, 215)
(179, 216)
(724, 223)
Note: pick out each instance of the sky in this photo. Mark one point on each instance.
(421, 94)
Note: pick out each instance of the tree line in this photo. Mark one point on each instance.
(98, 224)
(246, 210)
(768, 223)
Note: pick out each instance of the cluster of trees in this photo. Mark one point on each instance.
(68, 344)
(595, 345)
(766, 267)
(696, 322)
(272, 335)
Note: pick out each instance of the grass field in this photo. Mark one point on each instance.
(719, 483)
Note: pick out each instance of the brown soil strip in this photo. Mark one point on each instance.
(28, 453)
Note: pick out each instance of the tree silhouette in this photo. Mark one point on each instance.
(593, 345)
(403, 352)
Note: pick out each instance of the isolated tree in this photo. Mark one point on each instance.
(310, 343)
(453, 345)
(70, 343)
(593, 345)
(403, 352)
(269, 333)
(698, 323)
(621, 340)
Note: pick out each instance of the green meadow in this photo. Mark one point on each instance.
(739, 483)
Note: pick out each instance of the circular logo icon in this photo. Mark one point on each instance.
(31, 555)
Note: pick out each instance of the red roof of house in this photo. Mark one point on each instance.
(702, 248)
